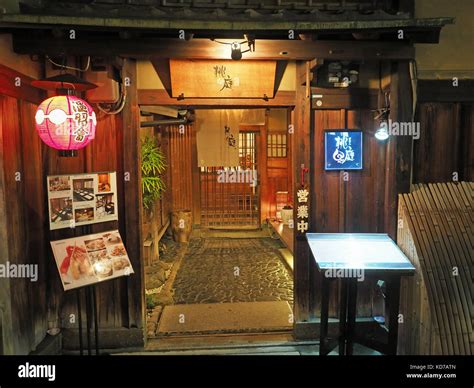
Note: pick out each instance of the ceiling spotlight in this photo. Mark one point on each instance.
(236, 47)
(236, 51)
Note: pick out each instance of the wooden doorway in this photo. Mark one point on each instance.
(230, 196)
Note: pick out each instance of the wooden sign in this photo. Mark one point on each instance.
(222, 78)
(302, 210)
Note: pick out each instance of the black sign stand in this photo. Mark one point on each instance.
(91, 319)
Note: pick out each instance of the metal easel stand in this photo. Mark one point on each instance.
(91, 319)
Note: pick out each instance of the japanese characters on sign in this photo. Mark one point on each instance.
(302, 210)
(81, 117)
(343, 150)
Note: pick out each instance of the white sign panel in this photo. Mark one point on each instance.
(90, 259)
(76, 200)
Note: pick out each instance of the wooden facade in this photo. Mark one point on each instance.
(26, 164)
(362, 201)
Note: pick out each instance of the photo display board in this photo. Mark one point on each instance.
(82, 199)
(91, 259)
(343, 149)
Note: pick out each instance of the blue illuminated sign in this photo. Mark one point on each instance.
(343, 150)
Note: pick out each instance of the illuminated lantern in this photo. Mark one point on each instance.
(66, 123)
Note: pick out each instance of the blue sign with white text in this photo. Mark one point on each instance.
(343, 150)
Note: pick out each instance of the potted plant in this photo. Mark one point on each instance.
(153, 166)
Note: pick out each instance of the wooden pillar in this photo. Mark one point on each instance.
(262, 166)
(133, 207)
(301, 155)
(399, 148)
(196, 176)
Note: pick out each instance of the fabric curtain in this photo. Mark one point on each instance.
(217, 134)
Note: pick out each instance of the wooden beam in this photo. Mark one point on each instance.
(215, 24)
(445, 91)
(265, 49)
(162, 68)
(399, 148)
(18, 85)
(160, 97)
(160, 110)
(346, 98)
(280, 71)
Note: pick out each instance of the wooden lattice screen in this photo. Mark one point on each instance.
(231, 204)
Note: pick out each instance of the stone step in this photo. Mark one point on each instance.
(225, 318)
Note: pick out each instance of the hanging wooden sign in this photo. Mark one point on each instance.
(302, 210)
(222, 78)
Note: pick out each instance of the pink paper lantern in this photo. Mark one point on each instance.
(65, 123)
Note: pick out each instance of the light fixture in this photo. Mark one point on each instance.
(65, 122)
(236, 51)
(382, 131)
(236, 47)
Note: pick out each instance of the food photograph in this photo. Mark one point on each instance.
(59, 183)
(75, 267)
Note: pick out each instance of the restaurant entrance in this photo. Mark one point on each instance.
(230, 196)
(234, 274)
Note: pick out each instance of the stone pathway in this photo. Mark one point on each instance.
(218, 270)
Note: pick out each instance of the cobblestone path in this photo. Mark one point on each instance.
(218, 270)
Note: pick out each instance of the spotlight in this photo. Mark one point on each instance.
(236, 47)
(236, 52)
(382, 131)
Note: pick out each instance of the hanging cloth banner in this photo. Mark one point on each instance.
(217, 134)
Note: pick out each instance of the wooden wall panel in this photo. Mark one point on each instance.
(6, 319)
(446, 143)
(35, 306)
(327, 209)
(15, 190)
(181, 167)
(35, 217)
(352, 205)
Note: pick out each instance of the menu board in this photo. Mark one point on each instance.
(82, 199)
(90, 259)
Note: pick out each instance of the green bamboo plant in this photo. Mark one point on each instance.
(153, 165)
